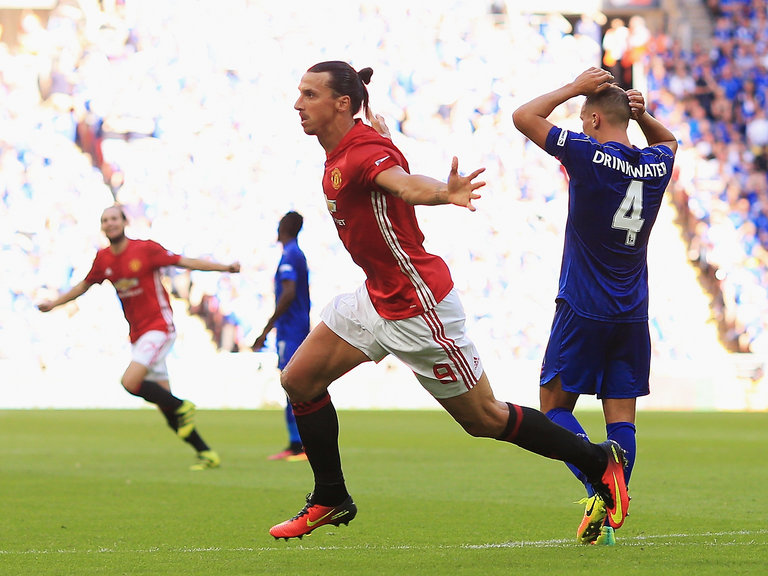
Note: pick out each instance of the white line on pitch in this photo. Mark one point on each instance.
(641, 540)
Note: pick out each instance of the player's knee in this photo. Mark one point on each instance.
(299, 389)
(131, 386)
(287, 382)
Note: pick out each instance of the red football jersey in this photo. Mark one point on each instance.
(379, 230)
(135, 274)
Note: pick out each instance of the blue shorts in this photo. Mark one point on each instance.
(286, 349)
(608, 359)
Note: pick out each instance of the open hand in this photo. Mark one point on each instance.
(461, 189)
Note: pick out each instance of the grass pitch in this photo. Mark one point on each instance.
(109, 492)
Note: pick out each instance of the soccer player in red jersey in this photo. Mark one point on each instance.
(407, 305)
(134, 269)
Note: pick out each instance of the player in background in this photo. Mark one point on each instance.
(134, 269)
(600, 342)
(291, 316)
(407, 306)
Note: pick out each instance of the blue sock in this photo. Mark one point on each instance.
(293, 430)
(567, 420)
(624, 434)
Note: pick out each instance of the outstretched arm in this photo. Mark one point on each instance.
(653, 130)
(424, 190)
(207, 265)
(417, 189)
(531, 118)
(77, 290)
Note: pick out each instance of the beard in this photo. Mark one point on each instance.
(116, 239)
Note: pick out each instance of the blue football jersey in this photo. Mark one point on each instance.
(614, 196)
(293, 325)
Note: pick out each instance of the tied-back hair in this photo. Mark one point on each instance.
(613, 101)
(346, 81)
(293, 222)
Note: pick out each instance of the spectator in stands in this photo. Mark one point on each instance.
(757, 131)
(615, 45)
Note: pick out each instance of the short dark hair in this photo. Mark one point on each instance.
(120, 208)
(613, 101)
(346, 81)
(292, 223)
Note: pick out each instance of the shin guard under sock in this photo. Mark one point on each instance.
(318, 426)
(533, 431)
(624, 434)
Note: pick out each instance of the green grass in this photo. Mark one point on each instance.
(109, 492)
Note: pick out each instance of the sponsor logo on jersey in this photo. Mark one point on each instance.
(380, 160)
(331, 205)
(561, 138)
(126, 284)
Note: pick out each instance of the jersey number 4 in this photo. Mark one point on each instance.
(627, 217)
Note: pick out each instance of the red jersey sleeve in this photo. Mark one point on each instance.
(97, 274)
(159, 256)
(374, 158)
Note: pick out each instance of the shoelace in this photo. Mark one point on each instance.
(305, 510)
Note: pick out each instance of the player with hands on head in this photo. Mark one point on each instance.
(599, 342)
(134, 267)
(407, 306)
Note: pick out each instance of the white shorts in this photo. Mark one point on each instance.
(150, 350)
(434, 344)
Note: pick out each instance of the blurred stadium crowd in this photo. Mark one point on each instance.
(194, 133)
(718, 98)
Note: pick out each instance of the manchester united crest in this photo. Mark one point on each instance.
(135, 265)
(336, 178)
